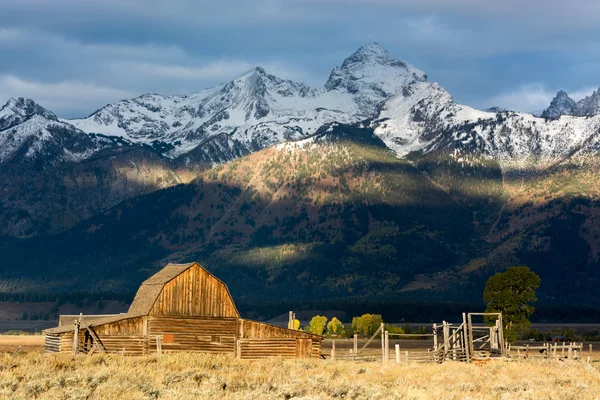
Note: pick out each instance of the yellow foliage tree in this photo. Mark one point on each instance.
(335, 326)
(317, 324)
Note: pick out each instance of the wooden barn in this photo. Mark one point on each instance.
(183, 307)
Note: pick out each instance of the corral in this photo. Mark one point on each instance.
(182, 308)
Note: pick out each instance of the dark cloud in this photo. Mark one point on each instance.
(480, 50)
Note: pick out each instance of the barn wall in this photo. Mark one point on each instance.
(58, 343)
(125, 327)
(209, 335)
(258, 330)
(260, 340)
(195, 292)
(127, 334)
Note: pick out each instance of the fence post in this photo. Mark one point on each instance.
(590, 356)
(386, 352)
(435, 339)
(466, 338)
(77, 325)
(238, 349)
(501, 335)
(397, 354)
(446, 332)
(355, 343)
(382, 342)
(158, 345)
(471, 344)
(333, 349)
(406, 356)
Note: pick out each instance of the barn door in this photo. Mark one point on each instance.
(303, 348)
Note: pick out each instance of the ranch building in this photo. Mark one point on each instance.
(185, 308)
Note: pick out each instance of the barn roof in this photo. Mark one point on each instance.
(94, 322)
(150, 289)
(144, 299)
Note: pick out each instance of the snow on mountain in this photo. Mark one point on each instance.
(18, 110)
(29, 132)
(372, 75)
(257, 109)
(562, 104)
(496, 109)
(425, 119)
(589, 105)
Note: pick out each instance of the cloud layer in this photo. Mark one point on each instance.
(75, 56)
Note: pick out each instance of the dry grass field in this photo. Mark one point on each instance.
(32, 374)
(188, 376)
(200, 376)
(28, 343)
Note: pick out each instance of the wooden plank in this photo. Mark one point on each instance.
(97, 341)
(195, 292)
(465, 337)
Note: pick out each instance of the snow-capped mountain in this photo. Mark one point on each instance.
(257, 109)
(562, 104)
(29, 132)
(425, 118)
(18, 110)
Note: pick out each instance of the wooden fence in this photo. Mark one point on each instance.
(566, 351)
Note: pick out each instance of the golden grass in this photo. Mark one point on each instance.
(189, 376)
(10, 343)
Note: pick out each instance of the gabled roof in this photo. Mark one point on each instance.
(168, 273)
(150, 289)
(145, 297)
(93, 322)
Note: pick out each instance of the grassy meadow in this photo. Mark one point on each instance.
(200, 376)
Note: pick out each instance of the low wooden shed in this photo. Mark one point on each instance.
(183, 307)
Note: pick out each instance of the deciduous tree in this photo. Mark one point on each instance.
(335, 326)
(512, 293)
(317, 324)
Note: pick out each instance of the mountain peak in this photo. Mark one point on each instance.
(374, 75)
(370, 53)
(561, 104)
(254, 71)
(18, 109)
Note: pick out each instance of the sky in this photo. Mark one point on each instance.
(75, 56)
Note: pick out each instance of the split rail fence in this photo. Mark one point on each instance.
(464, 342)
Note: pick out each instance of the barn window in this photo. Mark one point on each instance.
(167, 338)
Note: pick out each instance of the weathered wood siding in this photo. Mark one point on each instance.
(58, 343)
(195, 292)
(68, 320)
(209, 335)
(259, 330)
(251, 349)
(260, 340)
(125, 327)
